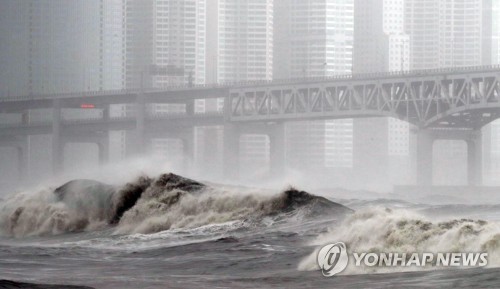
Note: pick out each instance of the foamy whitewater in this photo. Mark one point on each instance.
(167, 231)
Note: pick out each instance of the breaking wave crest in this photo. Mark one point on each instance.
(148, 205)
(377, 230)
(46, 213)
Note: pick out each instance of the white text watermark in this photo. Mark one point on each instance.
(333, 259)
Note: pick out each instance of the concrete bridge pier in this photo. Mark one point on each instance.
(106, 112)
(103, 146)
(190, 107)
(277, 149)
(425, 141)
(231, 151)
(185, 135)
(371, 150)
(140, 118)
(188, 148)
(23, 162)
(475, 158)
(276, 134)
(187, 138)
(101, 140)
(57, 145)
(22, 151)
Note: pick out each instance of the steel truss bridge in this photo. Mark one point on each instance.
(447, 98)
(442, 103)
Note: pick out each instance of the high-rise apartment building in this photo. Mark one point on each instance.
(495, 29)
(393, 16)
(54, 46)
(492, 132)
(245, 40)
(370, 52)
(398, 41)
(113, 13)
(165, 46)
(449, 33)
(165, 42)
(379, 31)
(114, 68)
(138, 42)
(179, 47)
(381, 144)
(51, 46)
(179, 41)
(239, 48)
(209, 41)
(314, 39)
(446, 33)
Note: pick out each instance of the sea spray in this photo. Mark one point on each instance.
(161, 210)
(73, 207)
(149, 205)
(402, 231)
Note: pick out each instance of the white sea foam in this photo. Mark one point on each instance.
(403, 231)
(149, 205)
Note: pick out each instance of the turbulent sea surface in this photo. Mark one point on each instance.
(172, 232)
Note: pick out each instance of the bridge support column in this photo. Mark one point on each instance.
(231, 151)
(106, 112)
(23, 160)
(57, 146)
(425, 142)
(371, 151)
(185, 135)
(21, 146)
(140, 118)
(104, 143)
(277, 149)
(188, 147)
(475, 158)
(101, 140)
(103, 147)
(190, 107)
(21, 163)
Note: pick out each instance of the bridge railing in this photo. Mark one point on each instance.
(24, 124)
(155, 116)
(236, 84)
(184, 115)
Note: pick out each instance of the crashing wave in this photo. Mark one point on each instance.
(172, 209)
(147, 205)
(379, 230)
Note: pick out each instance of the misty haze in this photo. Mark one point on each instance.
(249, 143)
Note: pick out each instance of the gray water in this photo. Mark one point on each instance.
(240, 250)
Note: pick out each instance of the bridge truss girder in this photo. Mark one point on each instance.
(466, 101)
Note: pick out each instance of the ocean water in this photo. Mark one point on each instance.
(171, 232)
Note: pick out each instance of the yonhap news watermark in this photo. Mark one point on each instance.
(333, 259)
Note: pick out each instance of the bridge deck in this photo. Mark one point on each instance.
(453, 97)
(258, 83)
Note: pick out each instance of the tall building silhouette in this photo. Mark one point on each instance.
(449, 33)
(239, 49)
(57, 46)
(381, 145)
(315, 39)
